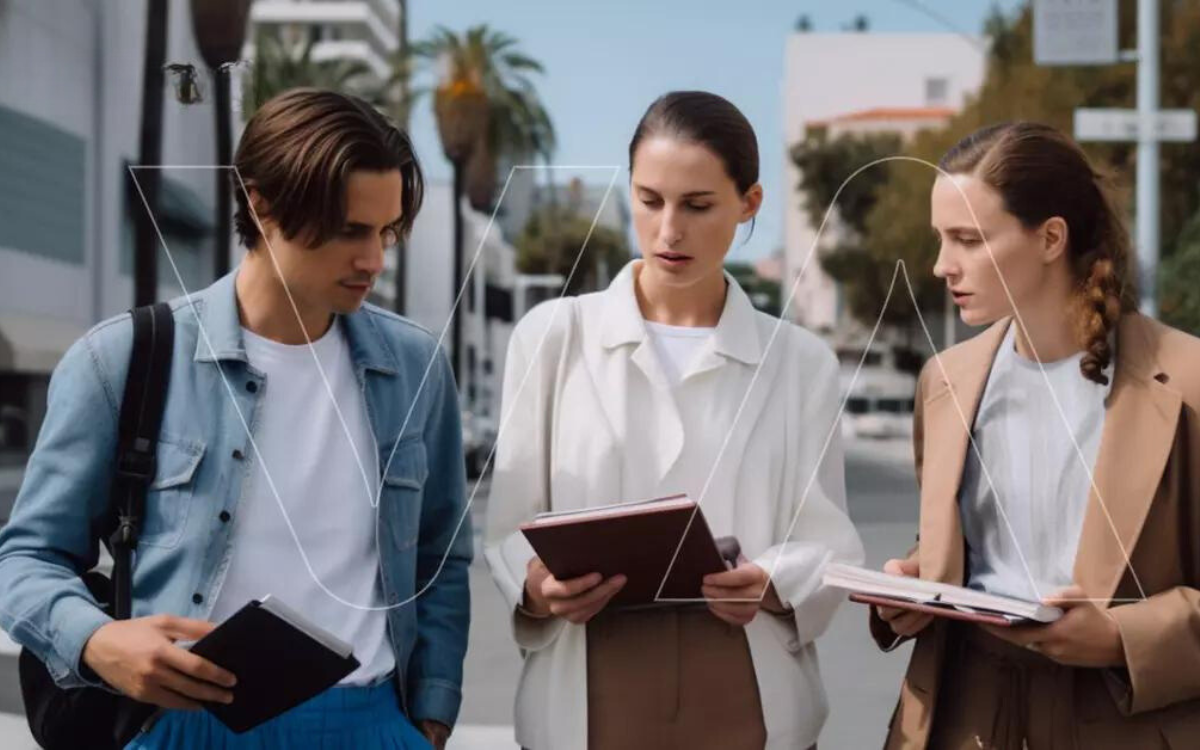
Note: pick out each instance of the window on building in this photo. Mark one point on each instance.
(937, 92)
(187, 225)
(42, 179)
(858, 405)
(22, 408)
(22, 404)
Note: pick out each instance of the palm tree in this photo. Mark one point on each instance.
(279, 66)
(516, 126)
(487, 108)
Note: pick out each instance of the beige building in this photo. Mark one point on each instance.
(859, 83)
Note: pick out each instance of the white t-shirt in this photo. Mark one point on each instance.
(327, 478)
(677, 347)
(1030, 525)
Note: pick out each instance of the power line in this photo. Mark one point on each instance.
(944, 21)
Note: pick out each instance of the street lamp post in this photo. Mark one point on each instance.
(145, 257)
(1147, 201)
(403, 53)
(456, 317)
(220, 29)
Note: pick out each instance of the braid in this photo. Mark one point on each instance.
(1107, 288)
(1100, 309)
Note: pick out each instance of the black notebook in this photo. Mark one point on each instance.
(280, 660)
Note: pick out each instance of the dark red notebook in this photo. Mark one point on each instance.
(638, 540)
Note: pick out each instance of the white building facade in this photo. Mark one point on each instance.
(70, 113)
(485, 307)
(362, 30)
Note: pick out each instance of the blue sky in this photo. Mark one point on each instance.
(605, 63)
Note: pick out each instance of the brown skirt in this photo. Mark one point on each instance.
(671, 678)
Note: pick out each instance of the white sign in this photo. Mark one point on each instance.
(1177, 125)
(1075, 32)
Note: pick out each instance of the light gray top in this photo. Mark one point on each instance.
(1022, 527)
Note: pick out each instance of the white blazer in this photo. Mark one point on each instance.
(589, 419)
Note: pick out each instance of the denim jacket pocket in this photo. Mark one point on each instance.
(403, 488)
(170, 495)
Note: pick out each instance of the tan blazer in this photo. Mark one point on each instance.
(1148, 473)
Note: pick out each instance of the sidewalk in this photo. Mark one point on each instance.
(14, 733)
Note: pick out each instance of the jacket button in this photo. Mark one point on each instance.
(197, 599)
(224, 516)
(252, 386)
(238, 455)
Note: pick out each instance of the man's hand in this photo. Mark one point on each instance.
(1085, 636)
(747, 582)
(576, 600)
(436, 732)
(903, 622)
(139, 657)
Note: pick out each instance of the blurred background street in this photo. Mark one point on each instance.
(527, 173)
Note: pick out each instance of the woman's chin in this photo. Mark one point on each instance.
(977, 318)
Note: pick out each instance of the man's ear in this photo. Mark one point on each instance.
(260, 212)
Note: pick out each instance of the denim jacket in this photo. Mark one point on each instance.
(203, 457)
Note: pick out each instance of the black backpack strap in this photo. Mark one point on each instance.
(137, 440)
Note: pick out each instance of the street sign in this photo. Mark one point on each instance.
(1075, 32)
(1176, 125)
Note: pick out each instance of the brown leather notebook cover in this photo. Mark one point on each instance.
(639, 542)
(949, 613)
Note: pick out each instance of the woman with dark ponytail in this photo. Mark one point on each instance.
(668, 382)
(1058, 455)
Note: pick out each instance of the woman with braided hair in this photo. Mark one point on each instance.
(1058, 454)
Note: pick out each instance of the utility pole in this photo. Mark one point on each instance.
(1148, 207)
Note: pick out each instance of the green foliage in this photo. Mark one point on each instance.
(551, 241)
(278, 67)
(764, 293)
(892, 215)
(826, 163)
(1180, 281)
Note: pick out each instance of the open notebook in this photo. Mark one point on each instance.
(939, 599)
(280, 659)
